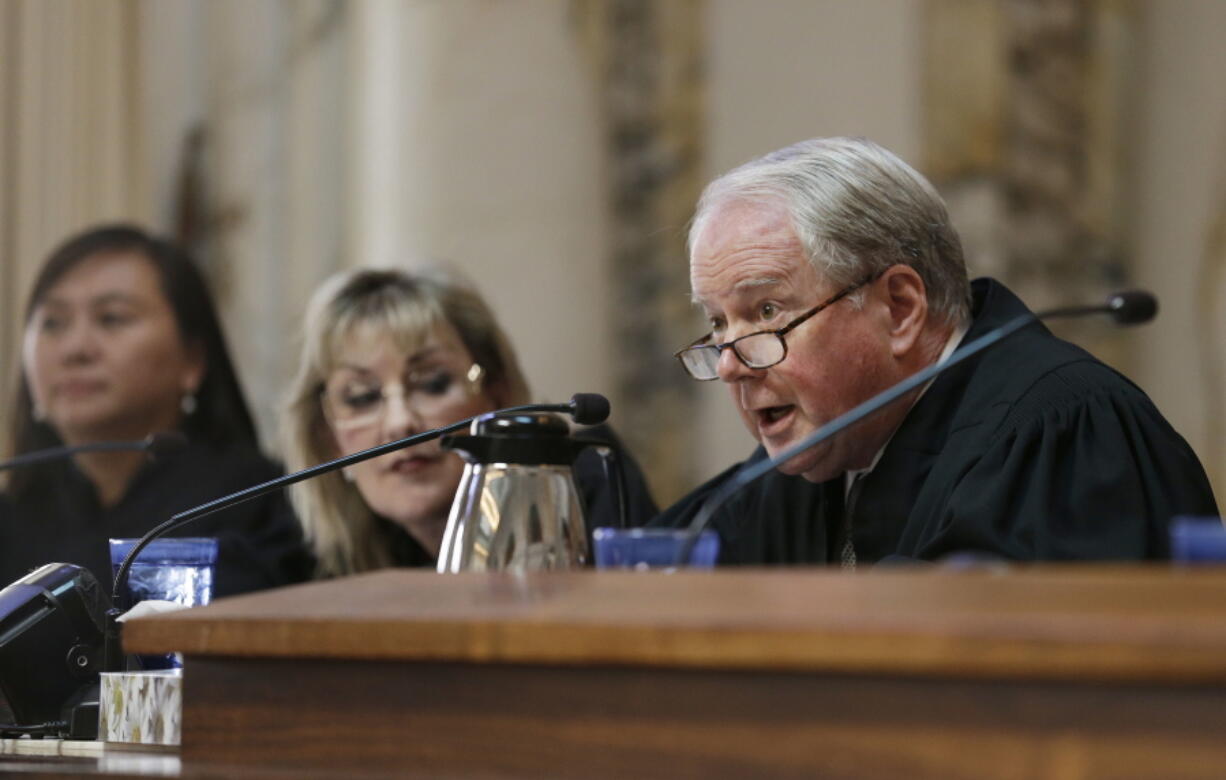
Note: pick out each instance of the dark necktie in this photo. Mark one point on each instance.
(848, 557)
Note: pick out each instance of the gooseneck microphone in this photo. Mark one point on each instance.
(154, 445)
(1132, 307)
(584, 409)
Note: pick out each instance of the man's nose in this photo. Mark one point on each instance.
(731, 368)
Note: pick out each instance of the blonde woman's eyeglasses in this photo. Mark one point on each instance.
(357, 403)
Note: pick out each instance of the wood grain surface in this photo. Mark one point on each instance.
(492, 720)
(1137, 623)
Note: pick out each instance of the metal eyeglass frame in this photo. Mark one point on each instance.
(777, 332)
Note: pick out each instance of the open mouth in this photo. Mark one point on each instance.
(772, 414)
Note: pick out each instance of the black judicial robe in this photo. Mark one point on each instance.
(60, 520)
(1031, 450)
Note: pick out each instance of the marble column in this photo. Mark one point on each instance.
(1024, 129)
(648, 61)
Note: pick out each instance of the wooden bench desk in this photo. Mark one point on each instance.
(1052, 671)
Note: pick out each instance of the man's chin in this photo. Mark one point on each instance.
(808, 464)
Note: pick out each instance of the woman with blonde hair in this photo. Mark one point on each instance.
(386, 354)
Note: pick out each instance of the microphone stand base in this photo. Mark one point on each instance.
(82, 714)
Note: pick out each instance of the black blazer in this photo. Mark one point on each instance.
(260, 542)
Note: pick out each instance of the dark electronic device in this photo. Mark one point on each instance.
(51, 642)
(52, 624)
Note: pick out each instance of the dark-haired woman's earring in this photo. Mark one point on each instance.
(188, 404)
(38, 413)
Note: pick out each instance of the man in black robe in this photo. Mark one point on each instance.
(829, 272)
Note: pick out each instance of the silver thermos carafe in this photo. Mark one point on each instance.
(517, 507)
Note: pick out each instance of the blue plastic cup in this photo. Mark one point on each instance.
(178, 570)
(1198, 540)
(169, 569)
(651, 548)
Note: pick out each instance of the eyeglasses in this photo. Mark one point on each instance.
(762, 349)
(360, 404)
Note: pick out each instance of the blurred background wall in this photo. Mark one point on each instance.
(552, 150)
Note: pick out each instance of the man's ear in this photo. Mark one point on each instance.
(906, 298)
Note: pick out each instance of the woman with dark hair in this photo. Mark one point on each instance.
(122, 340)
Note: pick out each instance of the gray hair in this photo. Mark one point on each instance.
(406, 306)
(857, 209)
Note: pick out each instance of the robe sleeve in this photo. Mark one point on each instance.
(1075, 472)
(683, 512)
(775, 520)
(600, 499)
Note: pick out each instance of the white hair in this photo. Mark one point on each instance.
(857, 209)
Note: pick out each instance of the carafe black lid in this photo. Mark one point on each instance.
(519, 425)
(526, 439)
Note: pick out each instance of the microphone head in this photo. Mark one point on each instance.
(164, 443)
(589, 408)
(1132, 307)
